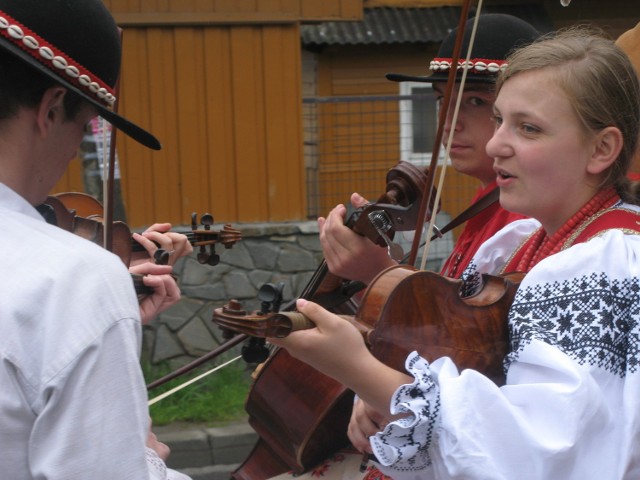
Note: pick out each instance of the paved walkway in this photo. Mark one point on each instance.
(207, 453)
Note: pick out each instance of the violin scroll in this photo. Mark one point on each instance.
(232, 317)
(256, 324)
(397, 209)
(205, 236)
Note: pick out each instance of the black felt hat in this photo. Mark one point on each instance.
(74, 42)
(496, 36)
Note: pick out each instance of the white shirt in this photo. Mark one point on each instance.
(570, 409)
(73, 402)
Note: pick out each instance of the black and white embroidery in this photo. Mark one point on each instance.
(471, 280)
(593, 319)
(409, 439)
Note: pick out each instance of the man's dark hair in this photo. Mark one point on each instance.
(23, 86)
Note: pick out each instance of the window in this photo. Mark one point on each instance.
(418, 123)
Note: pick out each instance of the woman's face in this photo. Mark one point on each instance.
(540, 149)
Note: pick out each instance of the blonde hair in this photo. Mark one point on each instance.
(600, 83)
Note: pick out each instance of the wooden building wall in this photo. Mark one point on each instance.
(219, 83)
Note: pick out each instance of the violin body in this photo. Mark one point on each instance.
(417, 310)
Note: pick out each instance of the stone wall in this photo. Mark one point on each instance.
(268, 253)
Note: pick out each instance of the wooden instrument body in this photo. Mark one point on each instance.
(417, 310)
(402, 310)
(303, 427)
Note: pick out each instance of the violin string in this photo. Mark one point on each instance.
(189, 382)
(447, 152)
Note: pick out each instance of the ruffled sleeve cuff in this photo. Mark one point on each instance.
(404, 443)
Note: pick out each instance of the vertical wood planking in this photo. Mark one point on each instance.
(191, 119)
(223, 175)
(165, 165)
(135, 104)
(225, 102)
(283, 100)
(248, 123)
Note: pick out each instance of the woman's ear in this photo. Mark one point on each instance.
(51, 108)
(607, 145)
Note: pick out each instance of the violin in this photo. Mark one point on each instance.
(81, 214)
(56, 213)
(402, 310)
(62, 210)
(442, 320)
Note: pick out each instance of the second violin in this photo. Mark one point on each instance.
(82, 214)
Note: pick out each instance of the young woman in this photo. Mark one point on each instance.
(567, 115)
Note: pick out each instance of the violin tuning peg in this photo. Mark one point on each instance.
(206, 220)
(255, 351)
(213, 260)
(203, 257)
(194, 221)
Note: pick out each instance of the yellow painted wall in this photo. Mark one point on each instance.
(225, 102)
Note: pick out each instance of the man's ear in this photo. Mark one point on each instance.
(51, 108)
(607, 145)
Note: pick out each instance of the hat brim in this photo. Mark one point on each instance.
(471, 78)
(129, 128)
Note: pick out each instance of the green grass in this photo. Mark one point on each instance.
(215, 399)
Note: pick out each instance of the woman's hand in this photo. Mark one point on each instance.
(330, 347)
(336, 348)
(364, 423)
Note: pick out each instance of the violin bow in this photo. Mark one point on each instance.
(109, 189)
(451, 80)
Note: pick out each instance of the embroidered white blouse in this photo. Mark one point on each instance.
(570, 408)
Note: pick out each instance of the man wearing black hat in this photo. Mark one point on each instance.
(73, 402)
(496, 36)
(351, 256)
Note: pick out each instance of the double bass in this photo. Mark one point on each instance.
(301, 415)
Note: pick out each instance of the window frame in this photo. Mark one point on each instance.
(407, 126)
